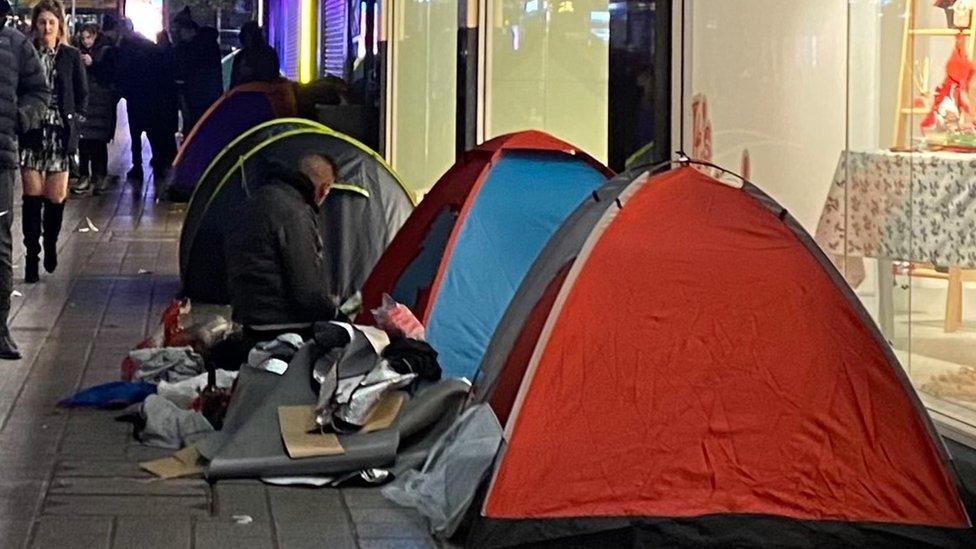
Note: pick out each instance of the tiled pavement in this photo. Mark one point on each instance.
(69, 478)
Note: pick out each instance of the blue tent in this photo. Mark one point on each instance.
(500, 204)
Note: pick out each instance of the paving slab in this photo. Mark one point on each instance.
(14, 533)
(85, 486)
(241, 498)
(227, 534)
(127, 506)
(19, 499)
(397, 543)
(62, 532)
(153, 533)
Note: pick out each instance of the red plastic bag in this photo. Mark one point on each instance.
(167, 334)
(397, 320)
(172, 327)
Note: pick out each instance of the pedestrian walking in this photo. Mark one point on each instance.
(257, 61)
(145, 79)
(198, 71)
(45, 152)
(24, 95)
(98, 128)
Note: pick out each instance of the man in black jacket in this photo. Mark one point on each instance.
(197, 67)
(256, 61)
(24, 95)
(144, 78)
(275, 265)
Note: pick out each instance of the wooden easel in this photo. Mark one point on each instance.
(905, 108)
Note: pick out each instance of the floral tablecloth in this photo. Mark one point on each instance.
(917, 207)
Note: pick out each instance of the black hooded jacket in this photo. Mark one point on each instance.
(24, 93)
(276, 272)
(99, 124)
(198, 69)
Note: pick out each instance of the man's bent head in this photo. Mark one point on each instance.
(321, 170)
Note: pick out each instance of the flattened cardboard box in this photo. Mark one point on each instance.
(295, 423)
(302, 440)
(184, 463)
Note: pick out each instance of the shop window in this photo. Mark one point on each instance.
(422, 95)
(863, 132)
(596, 74)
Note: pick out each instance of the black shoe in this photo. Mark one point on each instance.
(8, 348)
(32, 266)
(99, 186)
(83, 186)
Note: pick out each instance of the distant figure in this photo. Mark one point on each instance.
(276, 272)
(197, 68)
(24, 96)
(144, 76)
(45, 152)
(163, 40)
(98, 129)
(257, 61)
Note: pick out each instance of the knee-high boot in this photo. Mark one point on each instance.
(53, 216)
(31, 223)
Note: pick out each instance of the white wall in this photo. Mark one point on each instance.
(774, 73)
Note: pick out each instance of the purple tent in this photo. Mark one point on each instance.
(237, 111)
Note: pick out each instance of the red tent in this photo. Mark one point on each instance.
(683, 366)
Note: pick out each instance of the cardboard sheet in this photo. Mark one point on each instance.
(184, 463)
(386, 412)
(295, 423)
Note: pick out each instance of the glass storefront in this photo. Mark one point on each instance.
(594, 73)
(422, 89)
(855, 115)
(547, 68)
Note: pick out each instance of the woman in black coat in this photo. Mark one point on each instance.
(98, 127)
(45, 153)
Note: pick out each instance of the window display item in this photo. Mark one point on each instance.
(962, 13)
(960, 385)
(914, 39)
(951, 112)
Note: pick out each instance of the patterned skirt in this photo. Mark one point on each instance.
(44, 149)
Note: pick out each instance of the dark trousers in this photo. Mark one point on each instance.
(231, 353)
(93, 158)
(8, 186)
(162, 138)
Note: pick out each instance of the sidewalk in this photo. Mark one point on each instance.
(69, 478)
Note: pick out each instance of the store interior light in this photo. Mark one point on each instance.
(306, 44)
(146, 16)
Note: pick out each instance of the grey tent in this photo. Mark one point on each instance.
(365, 210)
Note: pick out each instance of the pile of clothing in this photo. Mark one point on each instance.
(175, 397)
(356, 367)
(361, 394)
